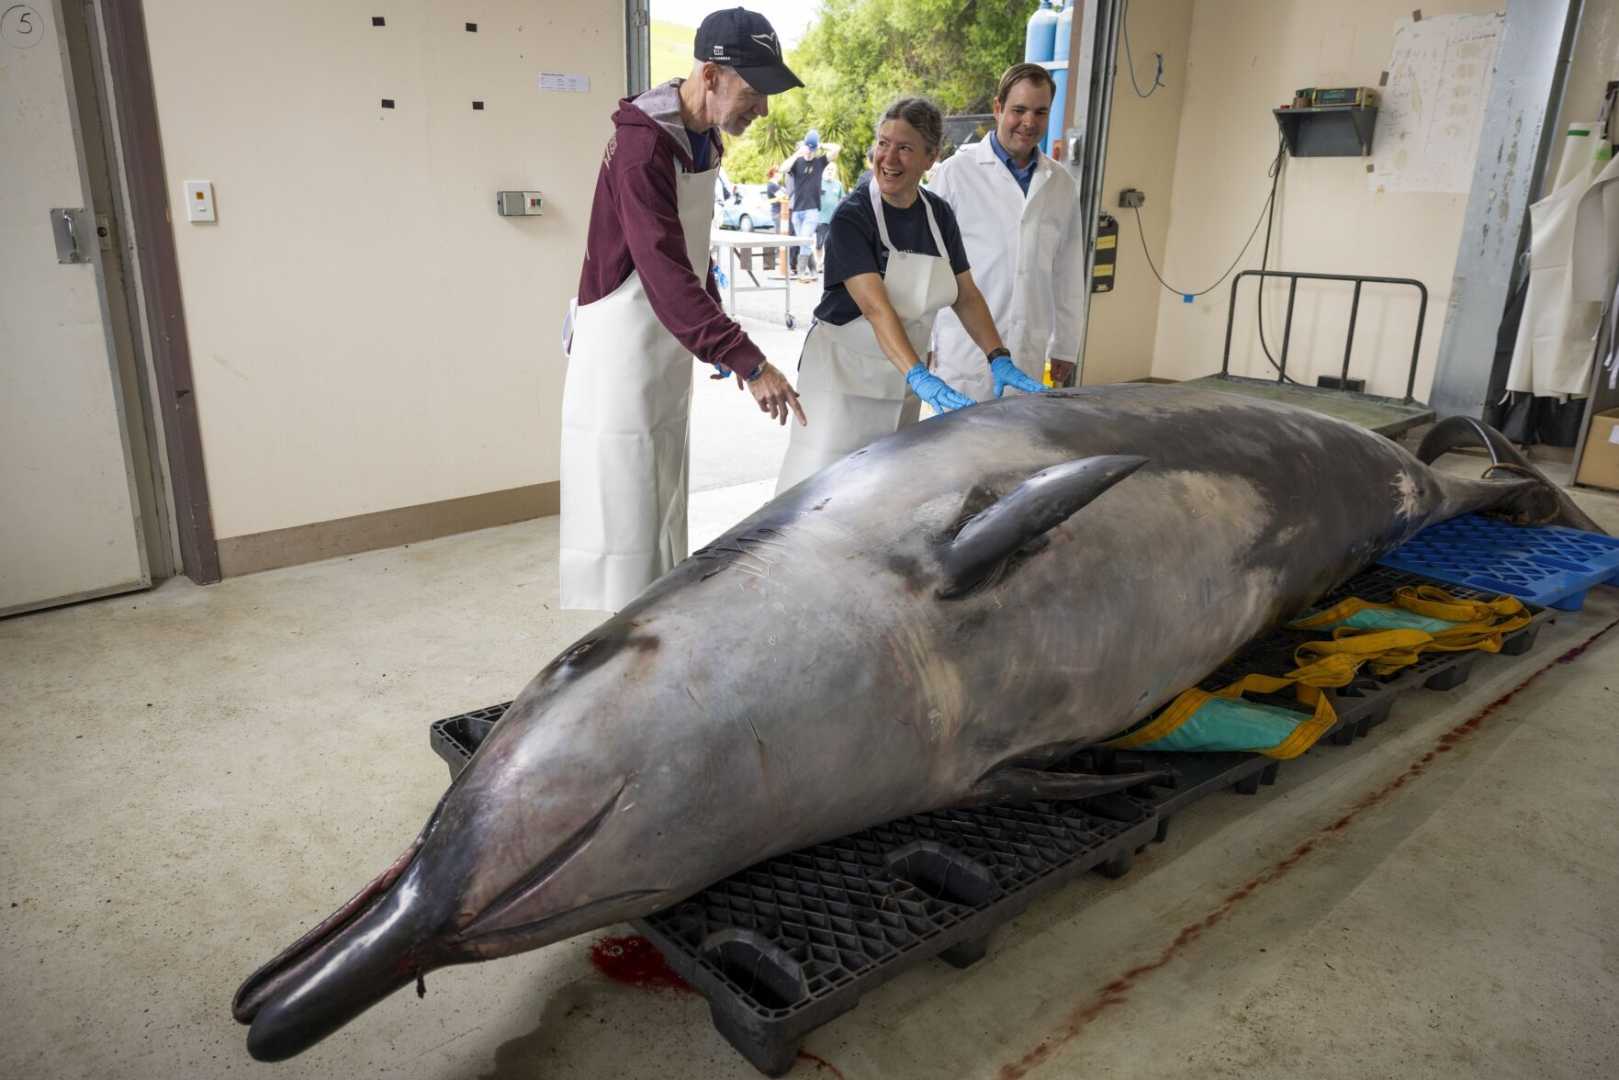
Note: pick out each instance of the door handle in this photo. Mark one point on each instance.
(65, 228)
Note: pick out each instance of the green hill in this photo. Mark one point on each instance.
(671, 50)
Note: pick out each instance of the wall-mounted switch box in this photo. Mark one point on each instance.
(518, 203)
(200, 200)
(1132, 199)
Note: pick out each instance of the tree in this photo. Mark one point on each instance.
(859, 55)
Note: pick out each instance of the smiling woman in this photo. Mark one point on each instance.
(894, 260)
(907, 146)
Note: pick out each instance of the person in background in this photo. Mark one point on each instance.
(894, 260)
(1023, 230)
(774, 193)
(804, 171)
(831, 194)
(647, 303)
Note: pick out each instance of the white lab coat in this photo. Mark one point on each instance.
(1573, 255)
(1027, 257)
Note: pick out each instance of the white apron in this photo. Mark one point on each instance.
(851, 392)
(626, 415)
(1573, 247)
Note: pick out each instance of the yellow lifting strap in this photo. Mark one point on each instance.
(1333, 662)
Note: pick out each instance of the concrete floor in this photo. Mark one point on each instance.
(196, 775)
(733, 443)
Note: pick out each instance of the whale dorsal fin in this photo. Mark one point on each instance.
(1039, 504)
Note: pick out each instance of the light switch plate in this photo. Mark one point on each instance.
(200, 200)
(519, 203)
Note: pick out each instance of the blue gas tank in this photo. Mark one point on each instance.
(1063, 31)
(1040, 36)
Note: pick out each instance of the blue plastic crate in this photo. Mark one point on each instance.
(1546, 565)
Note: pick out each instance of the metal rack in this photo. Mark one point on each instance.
(1387, 416)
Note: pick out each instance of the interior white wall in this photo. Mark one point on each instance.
(1246, 57)
(1143, 134)
(366, 332)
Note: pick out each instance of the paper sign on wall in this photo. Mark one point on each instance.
(555, 82)
(1433, 106)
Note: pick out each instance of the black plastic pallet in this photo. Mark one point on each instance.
(787, 945)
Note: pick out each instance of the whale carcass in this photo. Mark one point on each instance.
(923, 624)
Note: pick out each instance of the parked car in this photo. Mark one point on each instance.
(746, 209)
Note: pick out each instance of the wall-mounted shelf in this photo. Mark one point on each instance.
(1341, 131)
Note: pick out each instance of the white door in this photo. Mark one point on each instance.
(69, 525)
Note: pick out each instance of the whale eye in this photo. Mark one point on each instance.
(577, 652)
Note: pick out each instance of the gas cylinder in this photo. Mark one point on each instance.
(1064, 31)
(1039, 38)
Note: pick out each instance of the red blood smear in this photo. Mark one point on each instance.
(820, 1063)
(635, 961)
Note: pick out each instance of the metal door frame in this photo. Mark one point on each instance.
(1097, 27)
(637, 46)
(93, 141)
(119, 81)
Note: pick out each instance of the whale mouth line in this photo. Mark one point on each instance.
(501, 912)
(492, 943)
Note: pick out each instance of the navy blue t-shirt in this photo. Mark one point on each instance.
(700, 147)
(852, 246)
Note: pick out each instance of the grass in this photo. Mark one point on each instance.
(671, 51)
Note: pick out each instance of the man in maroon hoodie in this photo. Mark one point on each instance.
(647, 303)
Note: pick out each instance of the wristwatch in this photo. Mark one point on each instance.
(991, 357)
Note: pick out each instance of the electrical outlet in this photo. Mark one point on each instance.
(1132, 199)
(200, 201)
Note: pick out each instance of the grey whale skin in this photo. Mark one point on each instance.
(922, 624)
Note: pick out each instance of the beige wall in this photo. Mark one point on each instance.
(366, 333)
(1141, 148)
(1246, 58)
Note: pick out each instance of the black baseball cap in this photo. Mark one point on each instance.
(745, 42)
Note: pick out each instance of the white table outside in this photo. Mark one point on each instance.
(728, 240)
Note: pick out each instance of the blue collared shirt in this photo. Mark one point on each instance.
(1023, 175)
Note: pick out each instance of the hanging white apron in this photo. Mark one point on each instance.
(626, 415)
(1573, 244)
(851, 392)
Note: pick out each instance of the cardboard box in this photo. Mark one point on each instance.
(1600, 465)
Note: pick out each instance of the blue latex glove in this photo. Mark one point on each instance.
(935, 391)
(1007, 374)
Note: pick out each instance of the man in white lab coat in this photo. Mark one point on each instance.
(1024, 234)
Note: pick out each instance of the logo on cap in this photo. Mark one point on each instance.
(768, 41)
